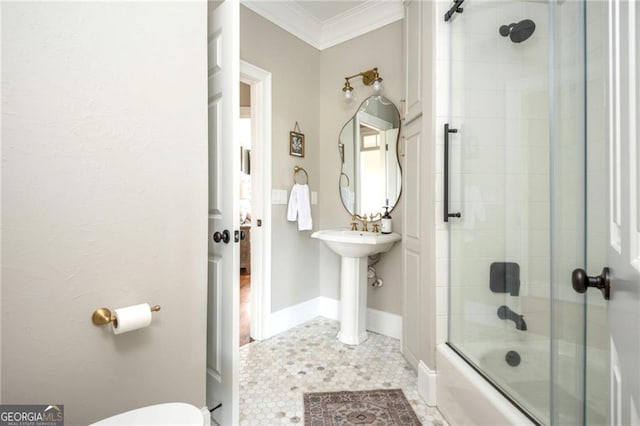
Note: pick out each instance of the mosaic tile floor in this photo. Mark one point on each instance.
(275, 373)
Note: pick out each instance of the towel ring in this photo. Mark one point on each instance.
(297, 169)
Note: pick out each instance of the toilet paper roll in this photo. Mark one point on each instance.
(131, 318)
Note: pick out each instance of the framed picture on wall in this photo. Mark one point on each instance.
(296, 144)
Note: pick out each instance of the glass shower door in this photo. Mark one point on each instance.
(516, 152)
(568, 157)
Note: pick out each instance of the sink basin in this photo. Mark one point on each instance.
(348, 243)
(353, 248)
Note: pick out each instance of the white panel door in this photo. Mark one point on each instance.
(413, 59)
(624, 214)
(412, 240)
(223, 261)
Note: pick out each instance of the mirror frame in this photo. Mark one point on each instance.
(378, 215)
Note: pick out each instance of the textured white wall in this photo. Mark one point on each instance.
(104, 186)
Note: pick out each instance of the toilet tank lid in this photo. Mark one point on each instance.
(173, 413)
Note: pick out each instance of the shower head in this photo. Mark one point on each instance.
(518, 32)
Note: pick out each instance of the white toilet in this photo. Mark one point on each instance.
(174, 413)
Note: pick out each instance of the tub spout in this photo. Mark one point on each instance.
(520, 324)
(507, 314)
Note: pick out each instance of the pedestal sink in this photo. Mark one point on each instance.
(354, 247)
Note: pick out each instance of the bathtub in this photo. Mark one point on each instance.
(467, 398)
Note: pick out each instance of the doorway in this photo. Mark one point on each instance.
(245, 142)
(255, 203)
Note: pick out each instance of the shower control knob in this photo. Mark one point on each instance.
(224, 236)
(581, 282)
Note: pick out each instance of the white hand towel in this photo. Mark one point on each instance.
(304, 209)
(300, 207)
(292, 209)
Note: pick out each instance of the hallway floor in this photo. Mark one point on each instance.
(275, 373)
(245, 310)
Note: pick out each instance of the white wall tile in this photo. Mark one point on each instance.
(442, 322)
(442, 301)
(442, 272)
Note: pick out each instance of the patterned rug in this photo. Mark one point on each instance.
(375, 407)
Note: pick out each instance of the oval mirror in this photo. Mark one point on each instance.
(371, 177)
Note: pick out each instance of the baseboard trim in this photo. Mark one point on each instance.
(329, 308)
(293, 316)
(380, 322)
(384, 323)
(427, 384)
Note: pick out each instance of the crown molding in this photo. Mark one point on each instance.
(370, 16)
(289, 16)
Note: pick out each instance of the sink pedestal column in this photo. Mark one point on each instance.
(353, 300)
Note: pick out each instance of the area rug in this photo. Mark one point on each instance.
(384, 407)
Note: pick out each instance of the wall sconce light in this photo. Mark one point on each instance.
(369, 78)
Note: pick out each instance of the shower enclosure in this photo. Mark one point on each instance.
(516, 144)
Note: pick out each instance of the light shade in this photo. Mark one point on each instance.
(347, 90)
(377, 84)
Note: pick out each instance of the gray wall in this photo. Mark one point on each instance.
(381, 48)
(104, 186)
(295, 68)
(307, 87)
(245, 95)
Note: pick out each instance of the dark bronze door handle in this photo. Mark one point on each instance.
(224, 236)
(581, 282)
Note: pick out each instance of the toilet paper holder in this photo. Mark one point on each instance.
(102, 316)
